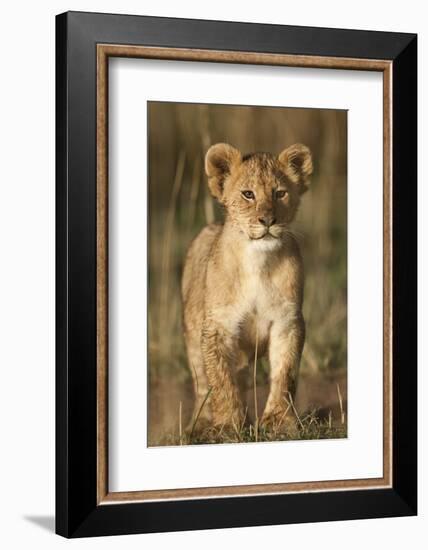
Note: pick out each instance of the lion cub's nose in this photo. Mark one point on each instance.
(267, 221)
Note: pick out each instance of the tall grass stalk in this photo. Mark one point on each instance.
(290, 397)
(166, 254)
(206, 143)
(342, 412)
(256, 414)
(194, 192)
(180, 422)
(199, 413)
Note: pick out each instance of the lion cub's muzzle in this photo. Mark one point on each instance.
(265, 230)
(258, 233)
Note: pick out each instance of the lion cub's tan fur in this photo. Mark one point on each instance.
(243, 283)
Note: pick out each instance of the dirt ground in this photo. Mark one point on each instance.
(315, 391)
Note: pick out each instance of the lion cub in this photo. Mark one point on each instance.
(242, 283)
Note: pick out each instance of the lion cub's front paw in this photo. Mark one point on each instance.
(279, 422)
(231, 422)
(199, 426)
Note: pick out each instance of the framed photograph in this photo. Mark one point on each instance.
(236, 274)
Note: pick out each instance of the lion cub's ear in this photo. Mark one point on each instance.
(219, 160)
(297, 163)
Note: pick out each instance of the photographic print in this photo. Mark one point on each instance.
(247, 271)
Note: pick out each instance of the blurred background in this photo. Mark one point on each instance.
(180, 205)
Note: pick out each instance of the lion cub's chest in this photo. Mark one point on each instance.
(262, 301)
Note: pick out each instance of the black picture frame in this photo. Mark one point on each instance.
(77, 511)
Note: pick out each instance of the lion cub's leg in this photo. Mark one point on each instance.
(242, 370)
(220, 357)
(201, 409)
(285, 350)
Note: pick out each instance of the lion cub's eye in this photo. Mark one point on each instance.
(281, 193)
(248, 194)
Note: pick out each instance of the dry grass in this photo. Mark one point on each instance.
(310, 426)
(180, 205)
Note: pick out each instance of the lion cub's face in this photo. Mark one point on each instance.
(260, 192)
